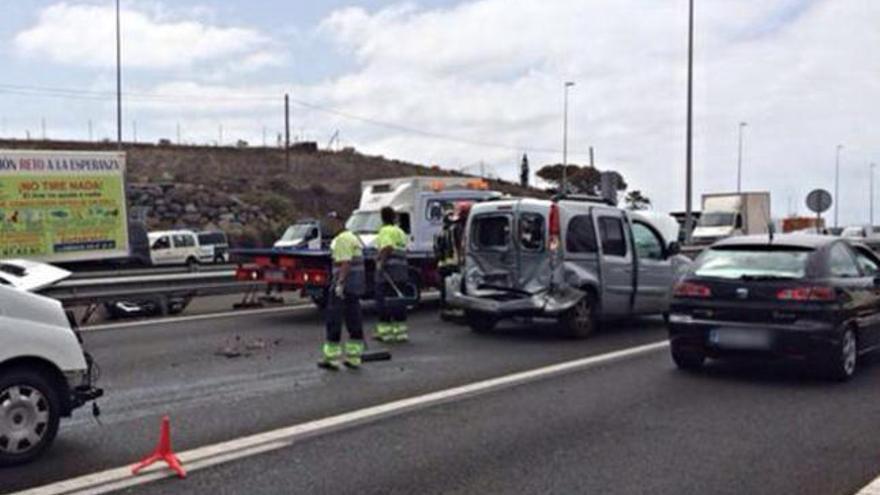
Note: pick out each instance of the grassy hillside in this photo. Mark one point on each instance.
(247, 192)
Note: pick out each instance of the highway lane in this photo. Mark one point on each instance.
(633, 426)
(174, 368)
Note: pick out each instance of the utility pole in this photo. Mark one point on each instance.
(837, 186)
(592, 158)
(568, 84)
(90, 131)
(287, 132)
(871, 197)
(689, 165)
(118, 80)
(739, 161)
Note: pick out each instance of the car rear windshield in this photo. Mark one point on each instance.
(491, 232)
(746, 262)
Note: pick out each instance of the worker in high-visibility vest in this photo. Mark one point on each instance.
(347, 286)
(392, 280)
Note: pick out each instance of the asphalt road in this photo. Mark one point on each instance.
(635, 425)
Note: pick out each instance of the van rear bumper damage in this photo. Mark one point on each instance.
(552, 303)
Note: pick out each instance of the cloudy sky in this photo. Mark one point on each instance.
(457, 83)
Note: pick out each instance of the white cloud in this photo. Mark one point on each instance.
(84, 35)
(803, 73)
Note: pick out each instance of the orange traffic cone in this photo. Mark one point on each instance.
(162, 453)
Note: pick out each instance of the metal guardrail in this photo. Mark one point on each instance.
(74, 292)
(155, 270)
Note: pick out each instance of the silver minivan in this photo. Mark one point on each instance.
(577, 260)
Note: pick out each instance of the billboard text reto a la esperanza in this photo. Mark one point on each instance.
(62, 206)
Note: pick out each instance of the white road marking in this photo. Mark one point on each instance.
(212, 455)
(873, 488)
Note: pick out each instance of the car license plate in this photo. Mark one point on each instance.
(274, 275)
(739, 339)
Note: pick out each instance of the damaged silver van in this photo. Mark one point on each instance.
(576, 259)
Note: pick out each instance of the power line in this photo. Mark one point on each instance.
(93, 95)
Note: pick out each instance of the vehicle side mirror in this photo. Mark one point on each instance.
(673, 249)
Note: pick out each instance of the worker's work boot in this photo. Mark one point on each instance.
(401, 332)
(331, 356)
(354, 350)
(384, 332)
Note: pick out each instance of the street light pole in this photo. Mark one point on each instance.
(118, 80)
(739, 161)
(837, 186)
(871, 197)
(568, 84)
(689, 166)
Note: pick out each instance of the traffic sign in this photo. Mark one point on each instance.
(819, 200)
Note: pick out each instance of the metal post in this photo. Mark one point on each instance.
(287, 132)
(90, 131)
(739, 161)
(592, 160)
(689, 166)
(564, 187)
(871, 197)
(837, 186)
(118, 80)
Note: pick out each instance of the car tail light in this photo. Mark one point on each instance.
(554, 227)
(810, 293)
(690, 289)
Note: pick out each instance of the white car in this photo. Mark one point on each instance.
(174, 247)
(30, 275)
(44, 373)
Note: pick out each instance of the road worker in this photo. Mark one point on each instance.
(347, 285)
(392, 280)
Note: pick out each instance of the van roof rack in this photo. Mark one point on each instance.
(583, 197)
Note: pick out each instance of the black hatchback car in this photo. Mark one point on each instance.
(801, 297)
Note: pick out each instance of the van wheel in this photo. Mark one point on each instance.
(30, 410)
(192, 264)
(580, 321)
(480, 322)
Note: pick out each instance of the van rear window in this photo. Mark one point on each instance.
(491, 232)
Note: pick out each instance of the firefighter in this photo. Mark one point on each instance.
(347, 285)
(449, 249)
(392, 279)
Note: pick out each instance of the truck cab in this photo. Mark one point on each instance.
(575, 260)
(420, 203)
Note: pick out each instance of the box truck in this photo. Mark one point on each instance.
(729, 214)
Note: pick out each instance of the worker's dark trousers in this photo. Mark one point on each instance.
(348, 309)
(391, 307)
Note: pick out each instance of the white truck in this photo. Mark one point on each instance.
(44, 372)
(730, 214)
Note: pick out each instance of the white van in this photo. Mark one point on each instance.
(174, 247)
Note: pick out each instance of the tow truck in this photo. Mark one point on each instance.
(420, 203)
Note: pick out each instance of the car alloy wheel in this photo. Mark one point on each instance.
(24, 419)
(849, 353)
